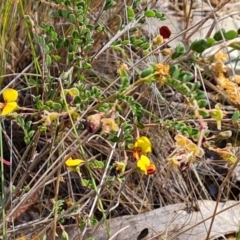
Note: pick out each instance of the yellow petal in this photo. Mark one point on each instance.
(143, 143)
(115, 127)
(73, 91)
(181, 140)
(73, 162)
(143, 163)
(9, 108)
(119, 167)
(192, 147)
(10, 95)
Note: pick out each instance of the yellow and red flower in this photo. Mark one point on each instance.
(145, 165)
(141, 147)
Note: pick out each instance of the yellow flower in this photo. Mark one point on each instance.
(145, 165)
(123, 68)
(220, 56)
(10, 97)
(162, 69)
(217, 114)
(226, 153)
(118, 168)
(186, 143)
(109, 124)
(73, 164)
(173, 162)
(158, 40)
(48, 117)
(235, 78)
(143, 144)
(70, 94)
(167, 51)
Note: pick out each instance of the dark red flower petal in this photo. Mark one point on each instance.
(165, 32)
(151, 169)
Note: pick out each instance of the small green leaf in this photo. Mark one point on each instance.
(31, 133)
(185, 76)
(197, 85)
(125, 82)
(40, 105)
(125, 42)
(135, 3)
(54, 15)
(93, 221)
(27, 139)
(202, 103)
(109, 4)
(146, 72)
(42, 128)
(130, 14)
(75, 35)
(85, 182)
(56, 106)
(145, 46)
(200, 95)
(160, 16)
(65, 235)
(132, 38)
(235, 116)
(128, 138)
(199, 45)
(21, 121)
(28, 125)
(210, 42)
(117, 48)
(98, 164)
(63, 13)
(48, 60)
(230, 34)
(179, 50)
(190, 85)
(174, 71)
(72, 18)
(138, 42)
(149, 13)
(218, 36)
(56, 58)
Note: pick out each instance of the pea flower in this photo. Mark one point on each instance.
(118, 168)
(48, 117)
(109, 124)
(10, 97)
(226, 153)
(70, 95)
(141, 147)
(145, 165)
(186, 143)
(73, 164)
(217, 114)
